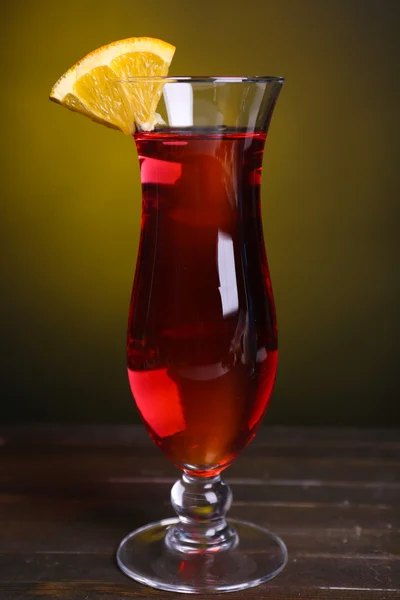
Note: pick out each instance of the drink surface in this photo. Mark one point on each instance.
(202, 340)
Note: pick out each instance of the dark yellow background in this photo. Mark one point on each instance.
(70, 202)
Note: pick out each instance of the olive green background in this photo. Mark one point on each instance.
(70, 202)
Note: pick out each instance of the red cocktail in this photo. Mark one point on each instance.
(202, 337)
(202, 340)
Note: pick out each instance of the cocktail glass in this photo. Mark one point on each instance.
(202, 337)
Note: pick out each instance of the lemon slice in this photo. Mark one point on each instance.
(90, 87)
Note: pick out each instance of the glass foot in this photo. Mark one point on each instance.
(258, 556)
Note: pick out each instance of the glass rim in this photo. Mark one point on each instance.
(203, 79)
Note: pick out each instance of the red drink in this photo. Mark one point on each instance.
(202, 338)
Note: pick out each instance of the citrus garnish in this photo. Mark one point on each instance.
(91, 86)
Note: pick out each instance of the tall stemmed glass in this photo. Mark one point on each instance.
(202, 337)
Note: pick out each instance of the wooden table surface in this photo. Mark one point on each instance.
(69, 494)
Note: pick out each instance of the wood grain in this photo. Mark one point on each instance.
(69, 494)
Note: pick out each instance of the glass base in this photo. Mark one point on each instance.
(258, 556)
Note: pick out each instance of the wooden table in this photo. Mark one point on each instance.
(69, 494)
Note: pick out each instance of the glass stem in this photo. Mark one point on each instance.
(201, 504)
